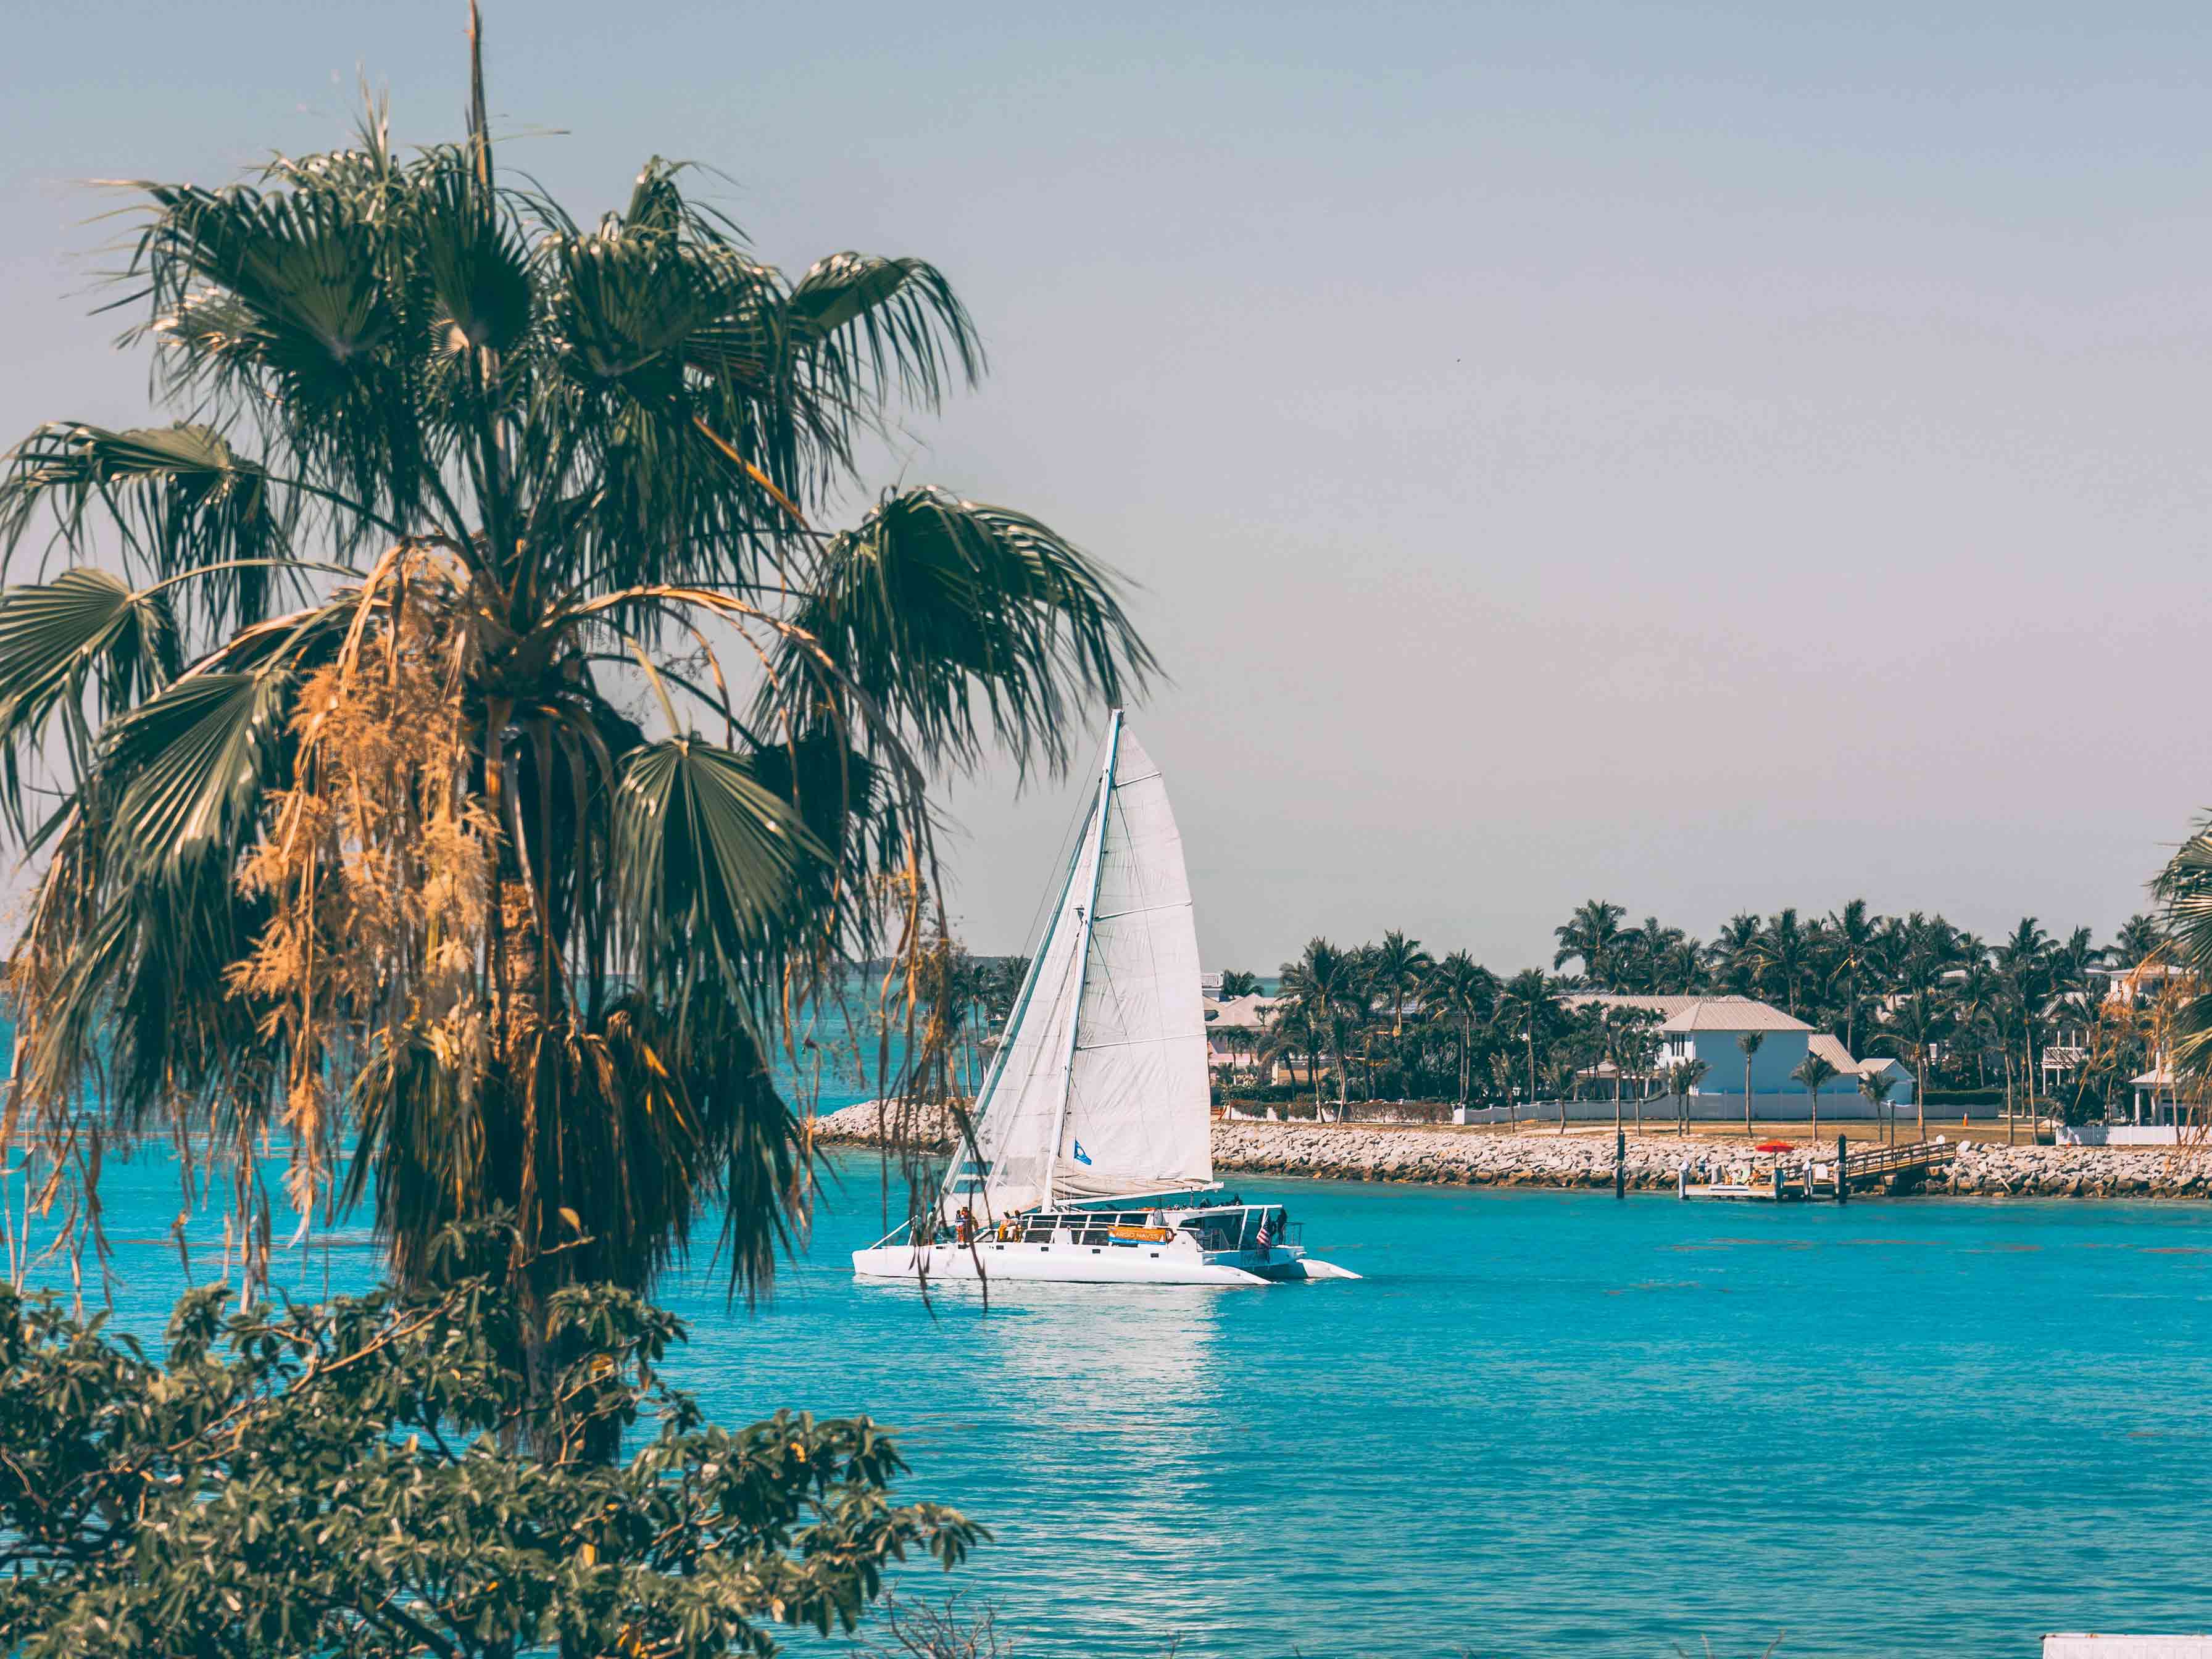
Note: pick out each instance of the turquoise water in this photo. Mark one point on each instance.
(1545, 1423)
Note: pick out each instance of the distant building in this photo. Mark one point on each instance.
(1233, 1027)
(1707, 1029)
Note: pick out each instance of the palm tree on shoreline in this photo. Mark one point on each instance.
(1859, 948)
(1626, 1039)
(1328, 992)
(1501, 1078)
(1913, 1031)
(1815, 1072)
(1732, 957)
(1683, 1076)
(1524, 1003)
(1591, 935)
(359, 834)
(1875, 1086)
(1395, 973)
(1781, 954)
(1750, 1042)
(1291, 1032)
(2137, 938)
(1463, 990)
(2023, 963)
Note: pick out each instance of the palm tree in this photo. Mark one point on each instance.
(2023, 963)
(1875, 1086)
(1396, 968)
(1859, 940)
(2184, 889)
(1501, 1079)
(1462, 989)
(1644, 954)
(1236, 984)
(1733, 956)
(1914, 1029)
(1239, 1040)
(1976, 994)
(1525, 1004)
(1682, 970)
(1815, 1073)
(1591, 935)
(2138, 936)
(1782, 955)
(1750, 1042)
(1683, 1076)
(1328, 991)
(352, 832)
(1624, 1035)
(1396, 972)
(1291, 1031)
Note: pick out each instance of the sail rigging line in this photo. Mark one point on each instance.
(1081, 958)
(971, 1152)
(1036, 936)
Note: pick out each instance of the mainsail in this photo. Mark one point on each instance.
(1099, 1088)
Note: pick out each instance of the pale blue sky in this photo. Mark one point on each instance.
(1712, 457)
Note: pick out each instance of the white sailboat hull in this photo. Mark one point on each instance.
(1090, 1264)
(1091, 1152)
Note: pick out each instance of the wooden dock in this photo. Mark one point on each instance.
(1883, 1168)
(1895, 1169)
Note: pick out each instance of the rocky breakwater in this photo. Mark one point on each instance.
(2078, 1172)
(1352, 1152)
(888, 1122)
(1358, 1151)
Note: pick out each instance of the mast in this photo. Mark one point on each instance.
(1083, 957)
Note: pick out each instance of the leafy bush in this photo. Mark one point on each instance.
(373, 1477)
(1247, 1095)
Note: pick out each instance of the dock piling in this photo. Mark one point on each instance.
(1843, 1172)
(1621, 1163)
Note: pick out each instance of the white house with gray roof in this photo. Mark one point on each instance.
(1707, 1028)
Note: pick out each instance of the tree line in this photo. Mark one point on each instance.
(1391, 1020)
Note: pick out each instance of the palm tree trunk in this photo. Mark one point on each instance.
(1747, 1096)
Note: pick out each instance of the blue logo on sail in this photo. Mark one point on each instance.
(1081, 1156)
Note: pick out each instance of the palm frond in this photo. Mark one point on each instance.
(706, 857)
(192, 764)
(86, 631)
(292, 308)
(968, 623)
(861, 323)
(179, 499)
(469, 245)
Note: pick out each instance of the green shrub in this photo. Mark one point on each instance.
(373, 1477)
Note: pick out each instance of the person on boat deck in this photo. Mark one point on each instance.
(964, 1226)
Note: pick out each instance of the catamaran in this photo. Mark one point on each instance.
(1093, 1155)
